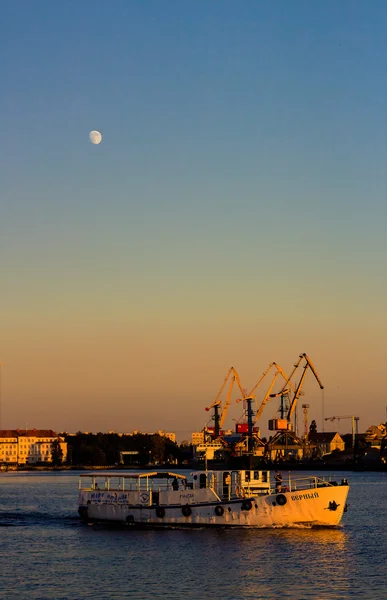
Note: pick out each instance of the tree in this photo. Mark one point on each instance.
(312, 430)
(157, 448)
(56, 453)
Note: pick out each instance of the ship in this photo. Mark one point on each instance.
(209, 498)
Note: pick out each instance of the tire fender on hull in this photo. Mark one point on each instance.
(281, 499)
(247, 505)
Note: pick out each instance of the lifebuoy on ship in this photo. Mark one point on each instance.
(247, 505)
(281, 499)
(186, 510)
(219, 510)
(160, 512)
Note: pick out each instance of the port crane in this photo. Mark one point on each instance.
(249, 426)
(268, 395)
(288, 405)
(285, 440)
(220, 411)
(251, 395)
(354, 424)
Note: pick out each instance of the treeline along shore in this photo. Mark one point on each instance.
(141, 451)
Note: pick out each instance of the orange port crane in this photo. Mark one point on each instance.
(287, 412)
(279, 371)
(297, 393)
(219, 417)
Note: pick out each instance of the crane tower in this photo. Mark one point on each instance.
(306, 420)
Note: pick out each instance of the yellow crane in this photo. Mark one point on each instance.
(250, 395)
(219, 417)
(297, 393)
(286, 412)
(286, 390)
(279, 371)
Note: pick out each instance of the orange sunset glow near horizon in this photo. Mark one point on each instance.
(117, 380)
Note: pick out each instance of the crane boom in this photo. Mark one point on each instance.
(226, 403)
(311, 366)
(297, 394)
(338, 418)
(218, 401)
(288, 379)
(242, 391)
(267, 396)
(262, 378)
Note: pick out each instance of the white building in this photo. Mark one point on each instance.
(28, 446)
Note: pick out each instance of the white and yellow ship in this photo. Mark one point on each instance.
(245, 498)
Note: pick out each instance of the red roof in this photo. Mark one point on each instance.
(7, 433)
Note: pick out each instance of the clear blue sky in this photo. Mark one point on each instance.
(234, 213)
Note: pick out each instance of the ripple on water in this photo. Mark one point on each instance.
(49, 554)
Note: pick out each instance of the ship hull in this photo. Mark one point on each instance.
(316, 507)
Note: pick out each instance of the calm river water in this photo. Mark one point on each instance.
(46, 553)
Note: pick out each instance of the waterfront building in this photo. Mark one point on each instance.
(328, 441)
(375, 434)
(209, 450)
(28, 446)
(197, 437)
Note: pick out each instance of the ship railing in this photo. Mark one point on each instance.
(97, 482)
(301, 483)
(125, 483)
(128, 483)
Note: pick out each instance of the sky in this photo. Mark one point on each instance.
(235, 213)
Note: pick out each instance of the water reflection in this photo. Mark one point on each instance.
(320, 536)
(289, 562)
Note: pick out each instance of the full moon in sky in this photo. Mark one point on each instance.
(95, 137)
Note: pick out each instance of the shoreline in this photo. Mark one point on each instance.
(216, 466)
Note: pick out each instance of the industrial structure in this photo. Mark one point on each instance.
(246, 440)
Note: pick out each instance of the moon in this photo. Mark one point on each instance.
(95, 137)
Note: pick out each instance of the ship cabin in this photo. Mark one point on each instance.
(165, 488)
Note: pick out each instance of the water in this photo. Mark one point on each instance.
(46, 553)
